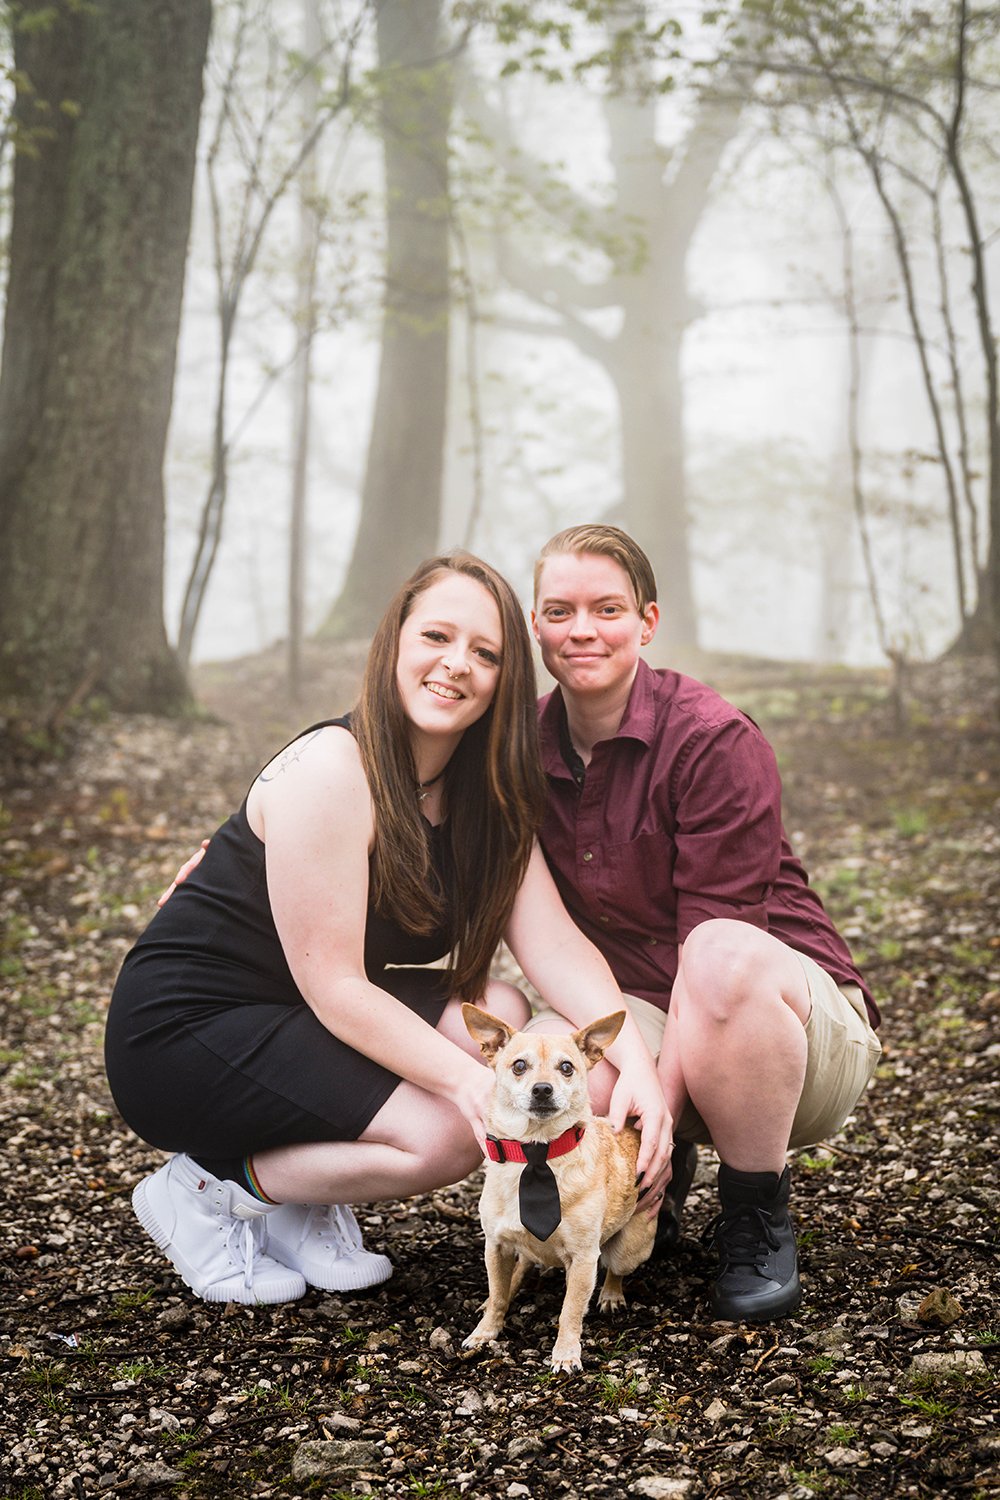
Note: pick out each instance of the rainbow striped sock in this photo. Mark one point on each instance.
(252, 1181)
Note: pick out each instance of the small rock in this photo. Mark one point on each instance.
(339, 1421)
(469, 1402)
(932, 1367)
(163, 1421)
(939, 1307)
(520, 1447)
(716, 1411)
(908, 1308)
(175, 1317)
(780, 1385)
(333, 1458)
(386, 1339)
(832, 1340)
(884, 1450)
(662, 1487)
(516, 1489)
(843, 1458)
(440, 1339)
(152, 1476)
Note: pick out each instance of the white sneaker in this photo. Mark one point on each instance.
(209, 1229)
(324, 1243)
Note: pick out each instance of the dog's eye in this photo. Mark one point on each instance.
(567, 1069)
(519, 1067)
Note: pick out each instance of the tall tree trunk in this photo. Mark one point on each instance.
(658, 206)
(848, 503)
(654, 482)
(645, 359)
(981, 631)
(305, 276)
(401, 498)
(99, 234)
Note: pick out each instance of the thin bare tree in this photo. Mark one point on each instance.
(250, 125)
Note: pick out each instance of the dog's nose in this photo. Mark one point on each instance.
(541, 1092)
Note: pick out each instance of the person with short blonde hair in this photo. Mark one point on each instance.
(664, 834)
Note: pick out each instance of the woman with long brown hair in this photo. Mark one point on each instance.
(275, 1026)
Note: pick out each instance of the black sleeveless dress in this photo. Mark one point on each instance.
(211, 1049)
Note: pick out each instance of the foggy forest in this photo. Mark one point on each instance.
(300, 292)
(722, 274)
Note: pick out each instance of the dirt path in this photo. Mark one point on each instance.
(115, 1381)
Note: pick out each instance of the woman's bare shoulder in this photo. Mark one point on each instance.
(329, 747)
(323, 766)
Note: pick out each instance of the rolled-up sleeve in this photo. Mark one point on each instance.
(727, 803)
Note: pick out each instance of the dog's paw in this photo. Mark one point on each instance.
(479, 1337)
(610, 1304)
(566, 1358)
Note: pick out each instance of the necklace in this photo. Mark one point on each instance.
(423, 787)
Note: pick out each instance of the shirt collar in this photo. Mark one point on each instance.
(638, 721)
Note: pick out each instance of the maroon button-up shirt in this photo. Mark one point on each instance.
(678, 820)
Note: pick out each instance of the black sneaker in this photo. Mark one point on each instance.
(683, 1161)
(758, 1264)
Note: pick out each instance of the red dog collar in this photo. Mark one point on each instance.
(504, 1151)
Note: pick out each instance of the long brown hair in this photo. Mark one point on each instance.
(494, 785)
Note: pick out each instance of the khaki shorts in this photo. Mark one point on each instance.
(843, 1054)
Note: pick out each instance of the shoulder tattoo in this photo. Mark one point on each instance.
(289, 756)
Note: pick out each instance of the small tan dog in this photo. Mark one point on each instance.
(576, 1188)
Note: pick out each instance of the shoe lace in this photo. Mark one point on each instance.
(743, 1236)
(241, 1245)
(335, 1220)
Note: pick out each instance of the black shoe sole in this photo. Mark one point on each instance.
(763, 1309)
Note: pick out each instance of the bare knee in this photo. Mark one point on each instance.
(438, 1148)
(601, 1086)
(729, 967)
(452, 1162)
(506, 1001)
(500, 999)
(721, 966)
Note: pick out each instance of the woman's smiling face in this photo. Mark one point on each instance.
(449, 658)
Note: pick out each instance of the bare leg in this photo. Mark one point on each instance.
(415, 1143)
(668, 1065)
(736, 1041)
(501, 999)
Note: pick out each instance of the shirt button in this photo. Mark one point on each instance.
(653, 942)
(604, 919)
(587, 857)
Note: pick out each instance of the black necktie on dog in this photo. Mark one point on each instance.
(538, 1192)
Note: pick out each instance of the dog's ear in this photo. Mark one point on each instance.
(594, 1040)
(489, 1031)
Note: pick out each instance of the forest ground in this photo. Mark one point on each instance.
(115, 1381)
